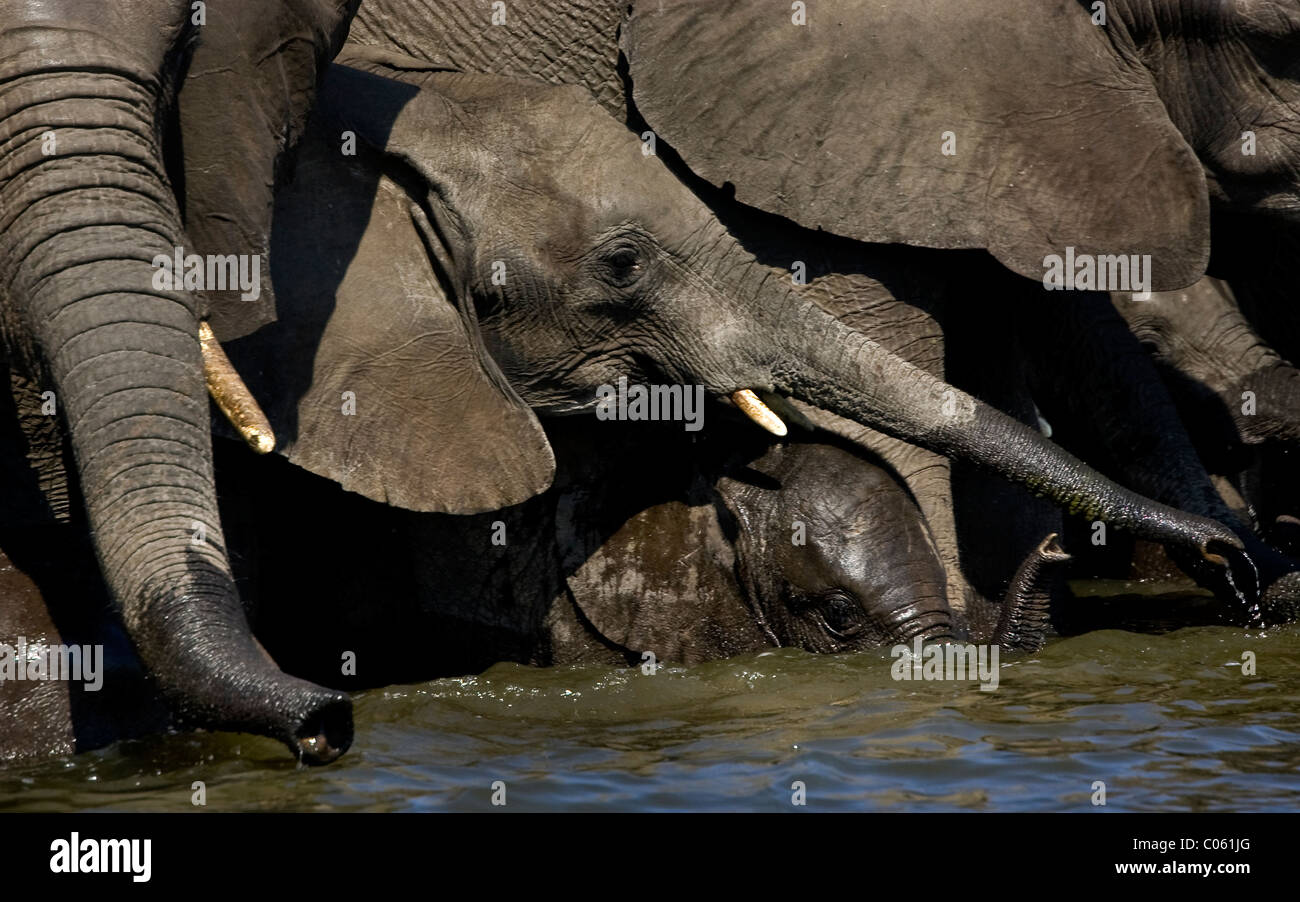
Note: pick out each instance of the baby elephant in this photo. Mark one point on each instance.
(810, 544)
(835, 554)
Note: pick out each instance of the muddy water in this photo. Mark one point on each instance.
(1167, 722)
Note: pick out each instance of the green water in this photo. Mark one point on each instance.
(1168, 723)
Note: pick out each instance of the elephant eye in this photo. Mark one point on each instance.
(841, 615)
(622, 265)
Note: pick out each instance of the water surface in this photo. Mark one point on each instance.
(1168, 723)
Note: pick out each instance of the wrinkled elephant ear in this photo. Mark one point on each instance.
(640, 609)
(241, 110)
(927, 122)
(375, 375)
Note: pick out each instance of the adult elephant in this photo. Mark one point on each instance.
(606, 267)
(1240, 397)
(437, 336)
(840, 173)
(103, 169)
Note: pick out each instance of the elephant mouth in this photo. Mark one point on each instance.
(241, 409)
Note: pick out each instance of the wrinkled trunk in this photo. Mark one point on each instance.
(833, 367)
(1026, 609)
(84, 207)
(928, 618)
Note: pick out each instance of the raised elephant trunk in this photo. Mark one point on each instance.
(842, 371)
(85, 206)
(1026, 609)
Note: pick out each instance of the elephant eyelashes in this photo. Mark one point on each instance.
(841, 616)
(622, 266)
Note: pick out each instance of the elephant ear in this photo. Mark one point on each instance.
(631, 579)
(241, 109)
(375, 375)
(944, 124)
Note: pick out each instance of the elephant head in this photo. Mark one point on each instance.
(498, 249)
(99, 146)
(840, 558)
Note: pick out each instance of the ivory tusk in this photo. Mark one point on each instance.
(232, 395)
(757, 411)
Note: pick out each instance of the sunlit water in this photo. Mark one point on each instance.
(1166, 722)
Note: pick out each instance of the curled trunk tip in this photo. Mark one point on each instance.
(1026, 606)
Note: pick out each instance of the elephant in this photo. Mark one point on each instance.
(626, 306)
(1240, 398)
(623, 561)
(613, 269)
(630, 58)
(647, 538)
(624, 557)
(846, 587)
(311, 411)
(110, 114)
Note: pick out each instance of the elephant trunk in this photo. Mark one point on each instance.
(85, 206)
(831, 366)
(927, 618)
(1026, 606)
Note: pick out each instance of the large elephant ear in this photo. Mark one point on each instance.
(375, 375)
(241, 110)
(1016, 127)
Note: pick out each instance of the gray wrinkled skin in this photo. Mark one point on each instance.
(81, 220)
(594, 298)
(719, 111)
(1240, 398)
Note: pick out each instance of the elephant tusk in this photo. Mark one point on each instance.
(757, 411)
(232, 395)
